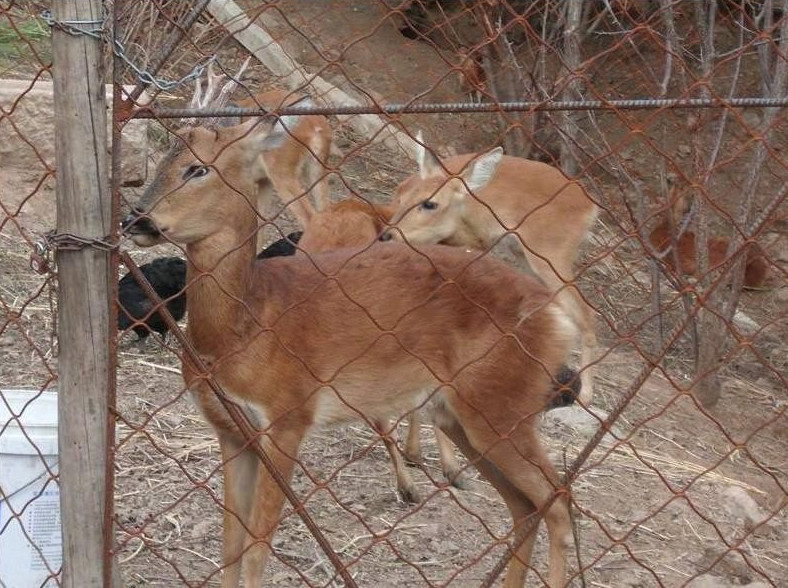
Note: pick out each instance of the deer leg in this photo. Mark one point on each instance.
(451, 467)
(281, 444)
(405, 484)
(520, 507)
(240, 470)
(520, 459)
(413, 442)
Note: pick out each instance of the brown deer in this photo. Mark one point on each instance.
(354, 222)
(300, 161)
(471, 76)
(297, 167)
(677, 246)
(390, 331)
(475, 200)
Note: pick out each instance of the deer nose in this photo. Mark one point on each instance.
(129, 219)
(386, 236)
(135, 222)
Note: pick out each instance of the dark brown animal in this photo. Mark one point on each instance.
(755, 269)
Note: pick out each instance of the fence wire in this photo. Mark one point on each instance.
(29, 517)
(670, 216)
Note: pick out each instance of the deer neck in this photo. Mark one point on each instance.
(468, 234)
(219, 274)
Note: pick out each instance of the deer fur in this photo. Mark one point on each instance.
(354, 222)
(351, 222)
(297, 167)
(390, 331)
(549, 215)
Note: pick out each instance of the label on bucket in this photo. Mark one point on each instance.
(30, 544)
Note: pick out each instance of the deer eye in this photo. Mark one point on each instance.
(428, 205)
(195, 171)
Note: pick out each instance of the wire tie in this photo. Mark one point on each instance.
(93, 28)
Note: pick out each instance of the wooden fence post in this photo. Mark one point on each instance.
(84, 210)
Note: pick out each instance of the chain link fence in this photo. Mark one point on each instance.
(29, 521)
(667, 117)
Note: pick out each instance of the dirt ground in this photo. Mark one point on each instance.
(671, 493)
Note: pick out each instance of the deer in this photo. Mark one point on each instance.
(475, 200)
(470, 74)
(356, 222)
(389, 331)
(299, 161)
(675, 246)
(303, 155)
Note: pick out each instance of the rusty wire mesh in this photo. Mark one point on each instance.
(29, 519)
(674, 489)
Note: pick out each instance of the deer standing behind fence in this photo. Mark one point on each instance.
(676, 247)
(353, 222)
(475, 200)
(390, 332)
(471, 76)
(299, 162)
(297, 169)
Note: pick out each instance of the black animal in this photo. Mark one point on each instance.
(167, 275)
(283, 247)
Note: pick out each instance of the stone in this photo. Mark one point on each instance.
(28, 129)
(27, 152)
(742, 506)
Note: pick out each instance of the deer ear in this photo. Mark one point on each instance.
(479, 173)
(428, 163)
(266, 138)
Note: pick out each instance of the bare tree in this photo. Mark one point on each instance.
(721, 293)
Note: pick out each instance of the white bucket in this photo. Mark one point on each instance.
(30, 539)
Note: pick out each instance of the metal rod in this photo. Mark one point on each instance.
(112, 572)
(154, 111)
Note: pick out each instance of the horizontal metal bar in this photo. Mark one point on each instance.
(426, 108)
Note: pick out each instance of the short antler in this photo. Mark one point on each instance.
(213, 96)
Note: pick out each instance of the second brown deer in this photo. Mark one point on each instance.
(676, 247)
(475, 200)
(297, 168)
(356, 223)
(390, 331)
